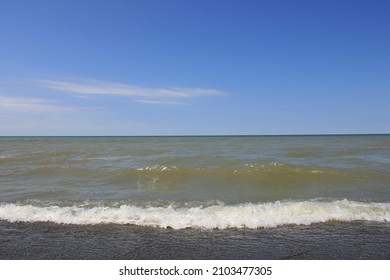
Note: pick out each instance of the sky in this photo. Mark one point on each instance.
(194, 67)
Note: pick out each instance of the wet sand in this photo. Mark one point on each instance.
(41, 240)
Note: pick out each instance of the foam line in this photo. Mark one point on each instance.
(247, 215)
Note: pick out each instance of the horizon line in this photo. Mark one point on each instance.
(211, 135)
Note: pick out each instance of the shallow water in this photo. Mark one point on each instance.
(204, 182)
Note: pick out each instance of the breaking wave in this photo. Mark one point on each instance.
(207, 216)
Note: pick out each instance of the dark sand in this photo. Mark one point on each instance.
(41, 240)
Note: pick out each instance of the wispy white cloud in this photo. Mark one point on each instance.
(167, 102)
(88, 86)
(29, 104)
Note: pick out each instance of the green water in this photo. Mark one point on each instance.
(155, 180)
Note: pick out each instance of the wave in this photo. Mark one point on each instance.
(217, 215)
(268, 174)
(171, 176)
(255, 169)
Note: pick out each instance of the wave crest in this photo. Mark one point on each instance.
(220, 216)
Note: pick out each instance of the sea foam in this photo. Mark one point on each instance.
(248, 215)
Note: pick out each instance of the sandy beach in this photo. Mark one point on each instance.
(42, 240)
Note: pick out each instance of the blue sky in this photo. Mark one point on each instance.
(194, 67)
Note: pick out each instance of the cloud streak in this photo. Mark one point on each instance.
(88, 86)
(28, 104)
(166, 102)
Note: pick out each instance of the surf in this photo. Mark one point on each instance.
(203, 216)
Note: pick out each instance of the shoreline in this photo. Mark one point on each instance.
(327, 241)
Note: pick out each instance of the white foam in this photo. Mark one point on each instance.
(5, 156)
(216, 216)
(157, 168)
